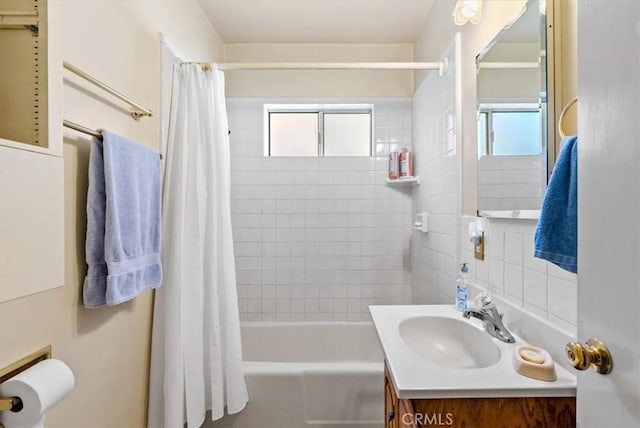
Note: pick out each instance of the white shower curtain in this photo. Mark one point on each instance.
(196, 361)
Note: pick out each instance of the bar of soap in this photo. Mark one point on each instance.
(534, 362)
(532, 356)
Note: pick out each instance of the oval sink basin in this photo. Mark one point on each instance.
(448, 342)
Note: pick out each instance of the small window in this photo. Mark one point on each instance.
(318, 130)
(509, 130)
(293, 134)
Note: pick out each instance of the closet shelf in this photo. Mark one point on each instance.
(10, 19)
(408, 181)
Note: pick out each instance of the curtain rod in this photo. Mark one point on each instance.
(329, 66)
(137, 110)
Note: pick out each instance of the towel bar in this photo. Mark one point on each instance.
(85, 130)
(561, 118)
(137, 110)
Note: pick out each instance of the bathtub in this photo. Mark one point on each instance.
(311, 374)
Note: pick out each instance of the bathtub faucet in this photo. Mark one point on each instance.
(491, 319)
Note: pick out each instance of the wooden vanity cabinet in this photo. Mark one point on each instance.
(525, 412)
(390, 402)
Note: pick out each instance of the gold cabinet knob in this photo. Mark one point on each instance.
(593, 353)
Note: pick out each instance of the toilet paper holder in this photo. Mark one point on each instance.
(14, 404)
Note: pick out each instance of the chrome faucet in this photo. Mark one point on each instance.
(491, 319)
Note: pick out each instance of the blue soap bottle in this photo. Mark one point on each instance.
(462, 288)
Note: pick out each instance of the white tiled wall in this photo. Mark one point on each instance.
(510, 270)
(434, 254)
(318, 238)
(510, 182)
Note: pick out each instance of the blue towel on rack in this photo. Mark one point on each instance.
(123, 221)
(556, 237)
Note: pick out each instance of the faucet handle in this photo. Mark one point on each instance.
(484, 300)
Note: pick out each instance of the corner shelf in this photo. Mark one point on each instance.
(409, 181)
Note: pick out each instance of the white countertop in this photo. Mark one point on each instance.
(414, 377)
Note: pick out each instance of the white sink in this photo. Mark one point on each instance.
(449, 342)
(431, 351)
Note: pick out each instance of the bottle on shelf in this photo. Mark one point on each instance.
(406, 163)
(393, 166)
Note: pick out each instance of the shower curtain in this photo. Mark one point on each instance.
(196, 358)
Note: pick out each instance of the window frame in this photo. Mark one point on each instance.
(489, 109)
(320, 110)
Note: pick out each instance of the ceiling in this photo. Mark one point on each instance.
(317, 21)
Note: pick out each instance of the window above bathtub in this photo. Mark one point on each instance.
(318, 130)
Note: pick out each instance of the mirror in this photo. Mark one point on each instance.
(512, 114)
(23, 75)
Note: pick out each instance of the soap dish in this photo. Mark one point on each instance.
(534, 362)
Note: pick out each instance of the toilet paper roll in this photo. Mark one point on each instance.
(40, 388)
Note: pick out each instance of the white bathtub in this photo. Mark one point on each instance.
(311, 374)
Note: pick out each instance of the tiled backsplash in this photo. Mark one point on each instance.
(318, 238)
(510, 182)
(510, 270)
(434, 254)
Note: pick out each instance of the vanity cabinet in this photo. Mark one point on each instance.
(507, 412)
(390, 402)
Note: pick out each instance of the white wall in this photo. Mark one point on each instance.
(324, 83)
(107, 348)
(318, 238)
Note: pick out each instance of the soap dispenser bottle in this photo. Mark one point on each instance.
(406, 163)
(462, 288)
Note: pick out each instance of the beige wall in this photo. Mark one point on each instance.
(510, 84)
(108, 349)
(326, 83)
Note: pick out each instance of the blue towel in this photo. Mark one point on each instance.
(123, 221)
(556, 237)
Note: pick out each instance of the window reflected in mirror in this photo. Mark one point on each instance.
(509, 129)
